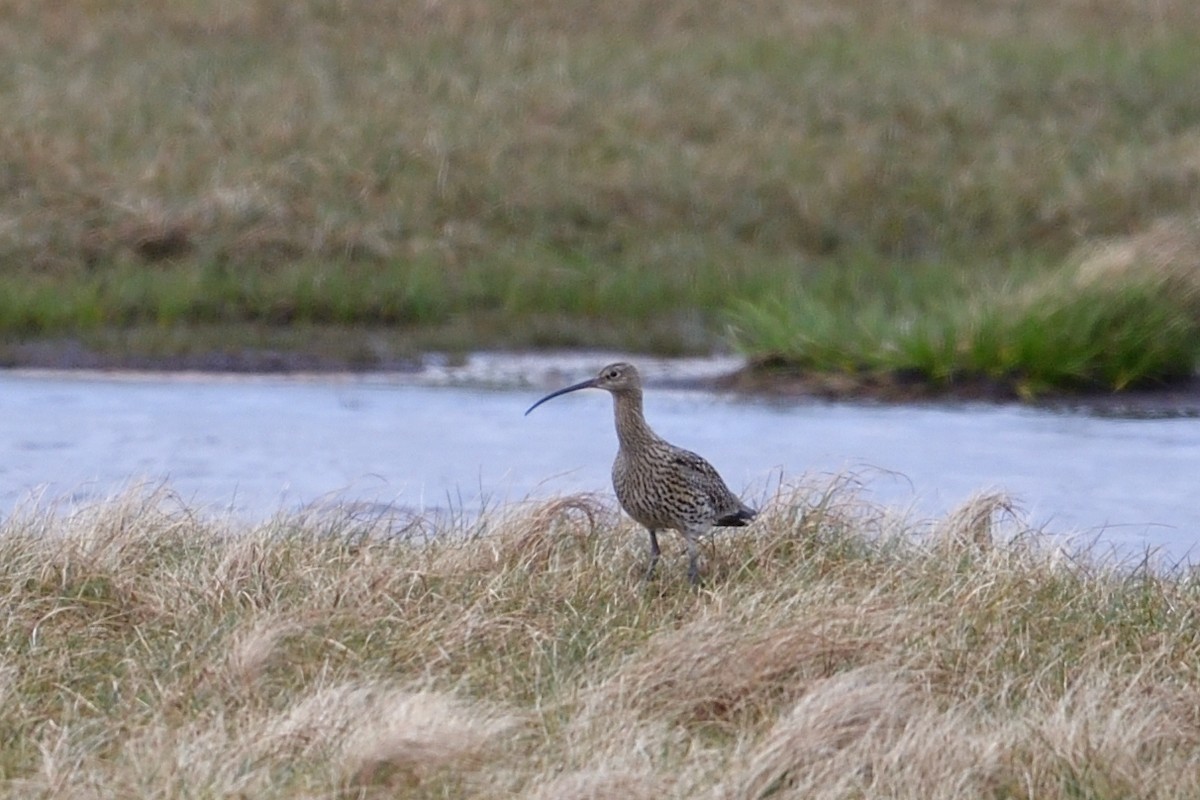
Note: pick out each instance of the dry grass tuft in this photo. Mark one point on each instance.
(973, 524)
(828, 734)
(835, 651)
(418, 735)
(728, 672)
(378, 736)
(551, 532)
(610, 783)
(1168, 251)
(253, 651)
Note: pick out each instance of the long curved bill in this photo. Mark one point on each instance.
(588, 384)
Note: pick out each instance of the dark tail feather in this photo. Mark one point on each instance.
(738, 518)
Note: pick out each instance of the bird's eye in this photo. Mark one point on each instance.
(612, 374)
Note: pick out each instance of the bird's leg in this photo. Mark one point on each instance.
(693, 568)
(692, 537)
(654, 552)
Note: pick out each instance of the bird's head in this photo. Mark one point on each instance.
(618, 378)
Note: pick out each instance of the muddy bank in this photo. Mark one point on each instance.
(74, 354)
(725, 373)
(1181, 398)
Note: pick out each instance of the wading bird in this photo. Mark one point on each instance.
(658, 484)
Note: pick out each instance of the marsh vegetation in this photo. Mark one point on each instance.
(836, 650)
(851, 188)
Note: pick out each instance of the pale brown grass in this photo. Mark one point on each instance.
(316, 184)
(1168, 251)
(837, 650)
(476, 136)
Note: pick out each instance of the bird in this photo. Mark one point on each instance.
(659, 485)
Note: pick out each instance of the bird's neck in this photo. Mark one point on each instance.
(632, 430)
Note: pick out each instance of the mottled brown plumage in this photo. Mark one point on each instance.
(658, 484)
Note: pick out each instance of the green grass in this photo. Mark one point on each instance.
(1058, 333)
(835, 650)
(549, 174)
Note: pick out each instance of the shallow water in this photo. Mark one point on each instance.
(253, 446)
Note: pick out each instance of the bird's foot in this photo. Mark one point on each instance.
(649, 576)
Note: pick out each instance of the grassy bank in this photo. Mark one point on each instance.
(481, 174)
(1118, 316)
(150, 651)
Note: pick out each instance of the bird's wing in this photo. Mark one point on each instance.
(704, 477)
(700, 473)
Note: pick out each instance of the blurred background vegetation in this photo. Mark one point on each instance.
(951, 191)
